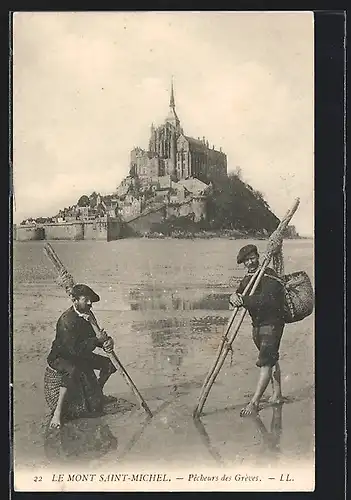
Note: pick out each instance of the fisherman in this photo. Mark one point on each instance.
(71, 362)
(266, 308)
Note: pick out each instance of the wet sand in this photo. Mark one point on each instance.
(165, 304)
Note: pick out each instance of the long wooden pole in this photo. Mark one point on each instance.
(272, 246)
(118, 365)
(219, 362)
(228, 327)
(66, 280)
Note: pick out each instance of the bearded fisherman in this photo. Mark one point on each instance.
(71, 386)
(266, 308)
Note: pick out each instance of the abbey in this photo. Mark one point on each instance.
(174, 154)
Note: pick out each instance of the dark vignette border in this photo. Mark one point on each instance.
(329, 245)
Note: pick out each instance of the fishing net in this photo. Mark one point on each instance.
(278, 260)
(65, 280)
(299, 295)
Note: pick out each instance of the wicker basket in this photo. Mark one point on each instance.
(85, 399)
(52, 383)
(299, 297)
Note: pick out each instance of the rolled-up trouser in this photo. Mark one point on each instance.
(267, 340)
(67, 367)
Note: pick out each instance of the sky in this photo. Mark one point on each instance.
(88, 85)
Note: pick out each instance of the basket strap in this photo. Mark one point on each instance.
(282, 282)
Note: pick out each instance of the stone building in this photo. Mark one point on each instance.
(172, 153)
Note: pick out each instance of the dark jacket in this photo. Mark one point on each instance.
(75, 338)
(266, 305)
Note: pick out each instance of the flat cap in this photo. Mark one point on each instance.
(80, 289)
(245, 251)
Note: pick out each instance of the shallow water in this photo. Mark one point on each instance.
(165, 302)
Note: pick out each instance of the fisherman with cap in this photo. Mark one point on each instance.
(266, 308)
(72, 362)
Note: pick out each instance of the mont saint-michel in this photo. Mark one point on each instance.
(177, 186)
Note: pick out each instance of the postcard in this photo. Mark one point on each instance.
(163, 251)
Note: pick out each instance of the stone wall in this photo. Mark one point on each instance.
(28, 233)
(91, 230)
(143, 223)
(114, 230)
(64, 231)
(95, 230)
(197, 206)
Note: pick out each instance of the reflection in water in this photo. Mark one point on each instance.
(91, 438)
(83, 439)
(135, 438)
(270, 439)
(208, 324)
(172, 341)
(270, 442)
(206, 440)
(168, 353)
(169, 326)
(170, 346)
(181, 300)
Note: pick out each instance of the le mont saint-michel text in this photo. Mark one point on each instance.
(157, 477)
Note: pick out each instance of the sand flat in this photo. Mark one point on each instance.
(165, 304)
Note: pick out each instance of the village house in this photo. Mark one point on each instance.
(130, 206)
(124, 186)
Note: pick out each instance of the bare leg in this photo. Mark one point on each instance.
(277, 396)
(272, 383)
(103, 378)
(105, 367)
(56, 418)
(263, 381)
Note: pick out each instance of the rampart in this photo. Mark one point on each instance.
(28, 233)
(64, 231)
(98, 229)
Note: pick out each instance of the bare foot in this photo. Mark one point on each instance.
(250, 409)
(276, 399)
(55, 422)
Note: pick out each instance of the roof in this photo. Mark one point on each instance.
(196, 144)
(194, 185)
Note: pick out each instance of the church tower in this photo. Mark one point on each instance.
(173, 125)
(152, 141)
(163, 139)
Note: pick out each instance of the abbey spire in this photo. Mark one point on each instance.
(171, 102)
(172, 114)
